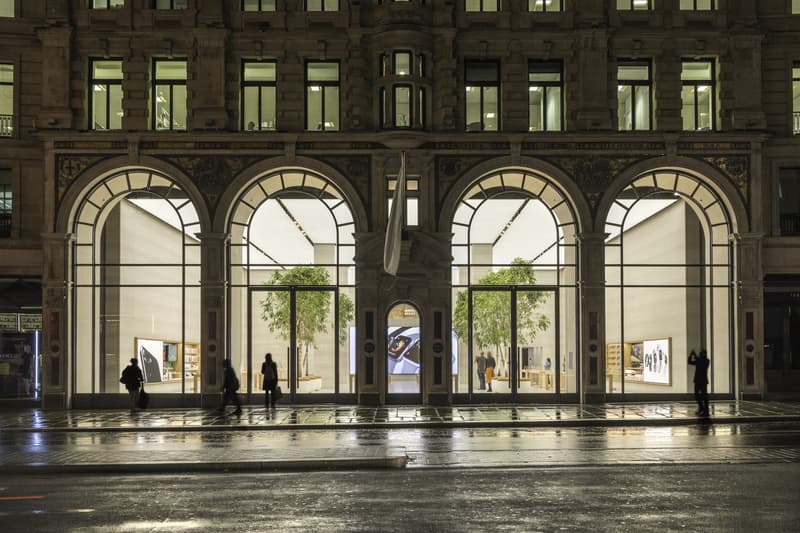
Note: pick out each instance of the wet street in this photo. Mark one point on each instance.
(732, 477)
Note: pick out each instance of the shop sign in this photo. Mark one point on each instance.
(8, 321)
(30, 322)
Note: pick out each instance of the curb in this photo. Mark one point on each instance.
(392, 462)
(594, 422)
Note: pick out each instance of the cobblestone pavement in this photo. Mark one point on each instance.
(330, 416)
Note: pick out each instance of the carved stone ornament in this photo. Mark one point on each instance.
(356, 169)
(736, 168)
(212, 173)
(69, 168)
(593, 174)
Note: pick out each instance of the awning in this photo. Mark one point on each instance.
(20, 295)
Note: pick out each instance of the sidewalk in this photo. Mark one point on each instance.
(310, 437)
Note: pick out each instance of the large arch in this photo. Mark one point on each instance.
(135, 278)
(670, 276)
(515, 258)
(291, 277)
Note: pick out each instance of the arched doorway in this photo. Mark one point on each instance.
(403, 354)
(136, 285)
(514, 289)
(291, 285)
(669, 285)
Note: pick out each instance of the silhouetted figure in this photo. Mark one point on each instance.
(132, 378)
(230, 385)
(490, 364)
(480, 366)
(700, 363)
(270, 372)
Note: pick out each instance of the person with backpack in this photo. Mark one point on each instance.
(132, 378)
(270, 384)
(230, 386)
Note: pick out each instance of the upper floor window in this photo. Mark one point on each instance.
(6, 201)
(789, 201)
(107, 4)
(698, 94)
(170, 4)
(633, 5)
(482, 80)
(169, 94)
(481, 5)
(634, 95)
(698, 5)
(411, 212)
(402, 63)
(546, 5)
(322, 95)
(258, 95)
(545, 93)
(795, 7)
(6, 100)
(105, 107)
(322, 5)
(796, 99)
(6, 8)
(258, 5)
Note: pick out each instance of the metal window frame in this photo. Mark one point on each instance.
(259, 84)
(482, 8)
(171, 84)
(411, 117)
(103, 81)
(322, 8)
(559, 84)
(260, 7)
(634, 84)
(545, 9)
(694, 84)
(483, 85)
(632, 8)
(694, 6)
(324, 85)
(14, 98)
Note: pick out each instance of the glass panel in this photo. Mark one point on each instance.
(347, 341)
(481, 72)
(553, 108)
(473, 108)
(6, 73)
(115, 112)
(250, 111)
(403, 350)
(402, 63)
(625, 107)
(256, 71)
(633, 72)
(163, 105)
(99, 108)
(402, 107)
(331, 108)
(171, 70)
(536, 342)
(536, 108)
(107, 70)
(491, 109)
(323, 72)
(688, 108)
(642, 108)
(704, 107)
(179, 107)
(491, 338)
(696, 71)
(314, 107)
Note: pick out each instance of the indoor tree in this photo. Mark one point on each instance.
(312, 313)
(491, 311)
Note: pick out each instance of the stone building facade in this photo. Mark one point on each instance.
(54, 158)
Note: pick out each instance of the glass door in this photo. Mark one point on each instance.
(538, 362)
(299, 327)
(490, 341)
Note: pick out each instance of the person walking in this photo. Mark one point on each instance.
(270, 372)
(490, 364)
(700, 363)
(230, 386)
(480, 364)
(132, 378)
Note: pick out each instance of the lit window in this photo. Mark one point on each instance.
(698, 95)
(6, 100)
(796, 99)
(6, 8)
(107, 4)
(634, 95)
(482, 80)
(795, 7)
(169, 94)
(547, 6)
(322, 5)
(258, 95)
(322, 95)
(105, 107)
(789, 199)
(545, 92)
(402, 63)
(171, 4)
(481, 5)
(402, 106)
(698, 5)
(633, 5)
(6, 203)
(258, 5)
(411, 214)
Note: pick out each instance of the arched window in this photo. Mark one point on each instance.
(136, 285)
(292, 277)
(669, 283)
(514, 279)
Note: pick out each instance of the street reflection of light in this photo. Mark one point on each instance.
(80, 510)
(163, 525)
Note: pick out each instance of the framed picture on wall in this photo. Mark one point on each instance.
(657, 361)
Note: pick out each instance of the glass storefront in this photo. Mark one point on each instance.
(20, 355)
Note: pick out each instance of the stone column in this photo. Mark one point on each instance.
(55, 111)
(750, 317)
(591, 287)
(55, 321)
(213, 335)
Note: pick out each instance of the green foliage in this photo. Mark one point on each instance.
(312, 313)
(491, 311)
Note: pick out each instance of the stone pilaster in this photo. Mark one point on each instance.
(55, 321)
(750, 316)
(208, 84)
(592, 111)
(212, 306)
(591, 247)
(370, 320)
(55, 112)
